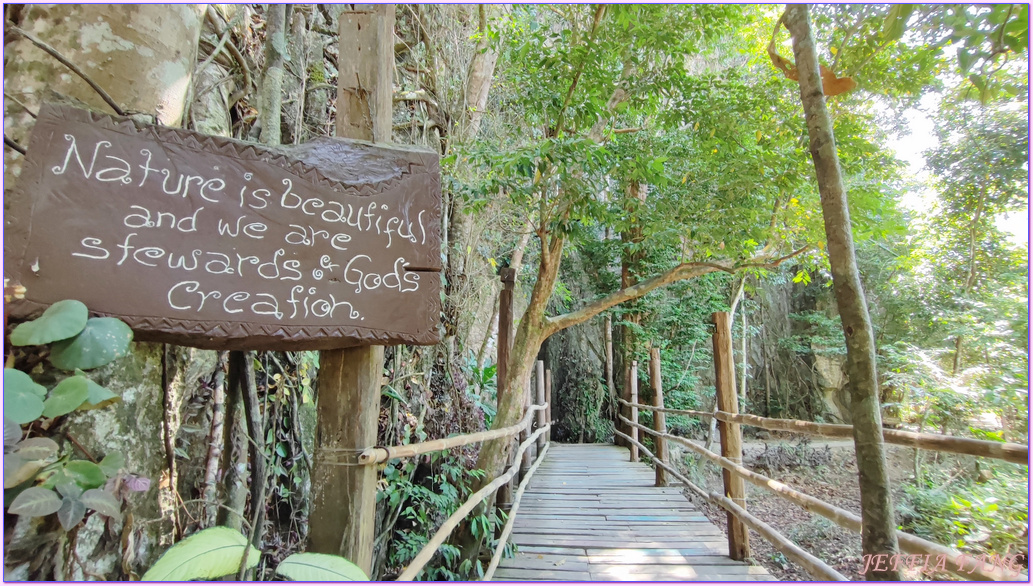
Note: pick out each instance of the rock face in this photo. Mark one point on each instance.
(575, 357)
(143, 56)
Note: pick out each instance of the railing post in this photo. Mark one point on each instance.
(731, 433)
(608, 355)
(632, 430)
(659, 417)
(530, 452)
(540, 400)
(508, 277)
(548, 404)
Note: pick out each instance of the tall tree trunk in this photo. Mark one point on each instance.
(878, 536)
(970, 281)
(630, 272)
(143, 56)
(457, 228)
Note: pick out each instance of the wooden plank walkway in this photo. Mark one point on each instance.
(590, 514)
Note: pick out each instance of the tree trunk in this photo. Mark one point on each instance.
(878, 535)
(143, 56)
(630, 271)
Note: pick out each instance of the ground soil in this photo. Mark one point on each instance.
(825, 469)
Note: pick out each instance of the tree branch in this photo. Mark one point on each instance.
(684, 271)
(599, 12)
(64, 61)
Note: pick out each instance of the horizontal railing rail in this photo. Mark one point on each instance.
(427, 553)
(1009, 452)
(953, 560)
(385, 453)
(812, 564)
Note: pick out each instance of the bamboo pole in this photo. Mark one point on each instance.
(548, 403)
(814, 566)
(633, 432)
(809, 562)
(954, 561)
(500, 547)
(731, 433)
(659, 419)
(452, 522)
(540, 399)
(383, 454)
(668, 411)
(1009, 452)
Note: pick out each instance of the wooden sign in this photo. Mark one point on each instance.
(215, 243)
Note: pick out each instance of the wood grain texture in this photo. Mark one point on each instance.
(589, 514)
(731, 433)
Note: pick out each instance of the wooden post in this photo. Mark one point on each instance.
(526, 460)
(344, 494)
(633, 387)
(731, 433)
(659, 417)
(508, 276)
(608, 355)
(624, 409)
(548, 403)
(542, 416)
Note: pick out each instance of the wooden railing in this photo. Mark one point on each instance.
(730, 460)
(537, 439)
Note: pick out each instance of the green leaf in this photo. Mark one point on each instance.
(71, 512)
(102, 340)
(319, 567)
(60, 321)
(103, 502)
(112, 463)
(66, 396)
(85, 474)
(23, 398)
(99, 396)
(205, 555)
(35, 502)
(37, 448)
(896, 21)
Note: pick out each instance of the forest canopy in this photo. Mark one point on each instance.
(639, 168)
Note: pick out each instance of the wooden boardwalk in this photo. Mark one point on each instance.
(590, 514)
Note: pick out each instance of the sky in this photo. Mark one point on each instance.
(909, 149)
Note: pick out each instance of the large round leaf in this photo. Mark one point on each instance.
(35, 502)
(205, 555)
(320, 567)
(101, 341)
(85, 474)
(60, 321)
(23, 398)
(66, 396)
(99, 396)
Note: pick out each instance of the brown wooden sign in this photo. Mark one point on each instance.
(216, 243)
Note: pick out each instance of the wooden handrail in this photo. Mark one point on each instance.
(1009, 452)
(385, 453)
(668, 411)
(500, 548)
(808, 561)
(452, 522)
(954, 561)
